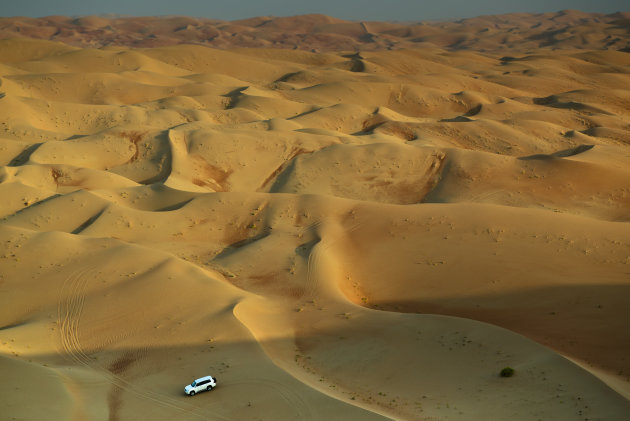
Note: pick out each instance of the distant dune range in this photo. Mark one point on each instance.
(564, 29)
(335, 235)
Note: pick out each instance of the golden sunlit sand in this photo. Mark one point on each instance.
(333, 235)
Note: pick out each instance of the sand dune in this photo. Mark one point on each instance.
(564, 29)
(333, 235)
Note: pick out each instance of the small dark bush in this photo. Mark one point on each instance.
(507, 372)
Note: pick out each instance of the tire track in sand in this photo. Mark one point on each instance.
(69, 309)
(316, 255)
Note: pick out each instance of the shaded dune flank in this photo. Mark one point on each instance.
(302, 223)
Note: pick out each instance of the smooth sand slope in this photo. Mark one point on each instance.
(338, 235)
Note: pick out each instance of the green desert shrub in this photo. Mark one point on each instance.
(507, 372)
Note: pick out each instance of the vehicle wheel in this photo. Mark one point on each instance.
(209, 388)
(192, 393)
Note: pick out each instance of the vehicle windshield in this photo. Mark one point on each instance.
(193, 384)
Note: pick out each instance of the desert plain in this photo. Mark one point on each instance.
(338, 220)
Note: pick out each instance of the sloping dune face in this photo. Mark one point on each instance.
(563, 29)
(332, 235)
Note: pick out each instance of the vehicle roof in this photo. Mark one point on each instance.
(203, 378)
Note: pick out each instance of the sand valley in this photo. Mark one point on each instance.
(356, 228)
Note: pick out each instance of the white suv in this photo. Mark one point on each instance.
(201, 384)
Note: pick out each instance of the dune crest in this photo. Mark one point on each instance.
(335, 235)
(564, 29)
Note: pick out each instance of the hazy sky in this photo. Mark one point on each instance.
(405, 10)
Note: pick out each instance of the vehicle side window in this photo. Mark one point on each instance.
(203, 382)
